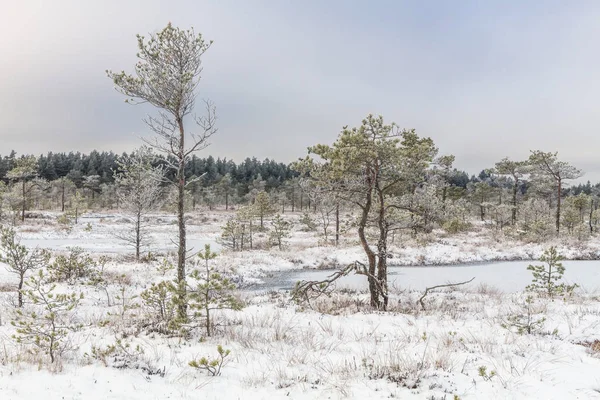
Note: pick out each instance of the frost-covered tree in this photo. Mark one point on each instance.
(63, 186)
(280, 230)
(167, 76)
(547, 165)
(226, 189)
(515, 170)
(25, 170)
(262, 207)
(19, 259)
(444, 170)
(139, 192)
(372, 165)
(79, 205)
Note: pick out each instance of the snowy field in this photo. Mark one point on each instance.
(462, 346)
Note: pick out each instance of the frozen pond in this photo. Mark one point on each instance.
(509, 276)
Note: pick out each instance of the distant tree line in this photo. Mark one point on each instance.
(77, 166)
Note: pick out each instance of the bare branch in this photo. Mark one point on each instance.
(420, 301)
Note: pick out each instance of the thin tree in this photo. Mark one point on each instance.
(515, 170)
(25, 169)
(167, 76)
(547, 165)
(139, 192)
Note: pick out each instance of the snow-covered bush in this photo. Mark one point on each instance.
(212, 365)
(159, 301)
(526, 319)
(72, 267)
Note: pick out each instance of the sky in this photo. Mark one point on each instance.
(485, 80)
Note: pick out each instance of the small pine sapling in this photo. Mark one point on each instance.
(308, 223)
(212, 365)
(484, 374)
(546, 278)
(525, 321)
(72, 267)
(213, 291)
(165, 267)
(48, 328)
(19, 259)
(159, 299)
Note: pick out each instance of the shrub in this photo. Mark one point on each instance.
(159, 299)
(455, 225)
(308, 223)
(525, 320)
(212, 365)
(72, 267)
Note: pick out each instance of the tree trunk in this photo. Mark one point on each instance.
(137, 237)
(514, 203)
(226, 201)
(337, 224)
(558, 194)
(591, 215)
(24, 201)
(382, 252)
(373, 288)
(62, 198)
(20, 289)
(182, 301)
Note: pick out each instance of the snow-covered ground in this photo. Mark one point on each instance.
(339, 348)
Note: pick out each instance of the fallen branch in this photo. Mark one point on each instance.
(310, 290)
(420, 301)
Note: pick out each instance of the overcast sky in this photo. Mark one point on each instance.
(484, 79)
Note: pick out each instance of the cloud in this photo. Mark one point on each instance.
(484, 79)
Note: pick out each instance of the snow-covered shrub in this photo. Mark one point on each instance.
(526, 319)
(455, 225)
(308, 223)
(536, 221)
(72, 267)
(122, 355)
(159, 301)
(212, 365)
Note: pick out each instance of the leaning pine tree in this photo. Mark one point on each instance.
(167, 76)
(373, 167)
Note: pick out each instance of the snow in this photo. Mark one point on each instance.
(339, 348)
